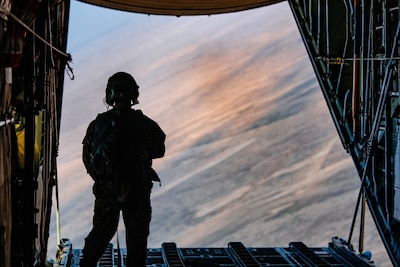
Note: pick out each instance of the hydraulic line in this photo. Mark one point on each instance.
(356, 66)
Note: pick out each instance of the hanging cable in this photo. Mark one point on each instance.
(70, 72)
(15, 18)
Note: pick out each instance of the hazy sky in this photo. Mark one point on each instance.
(203, 64)
(89, 21)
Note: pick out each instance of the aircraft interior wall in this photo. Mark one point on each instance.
(354, 50)
(6, 133)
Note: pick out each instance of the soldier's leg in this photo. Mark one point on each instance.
(137, 223)
(105, 223)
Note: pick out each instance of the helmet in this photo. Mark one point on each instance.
(121, 86)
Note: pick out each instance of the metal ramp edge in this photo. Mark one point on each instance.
(338, 254)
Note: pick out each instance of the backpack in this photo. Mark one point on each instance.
(100, 146)
(110, 145)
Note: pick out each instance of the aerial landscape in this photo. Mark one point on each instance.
(252, 152)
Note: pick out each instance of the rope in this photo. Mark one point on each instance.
(15, 18)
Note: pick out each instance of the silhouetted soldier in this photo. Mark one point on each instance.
(117, 152)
